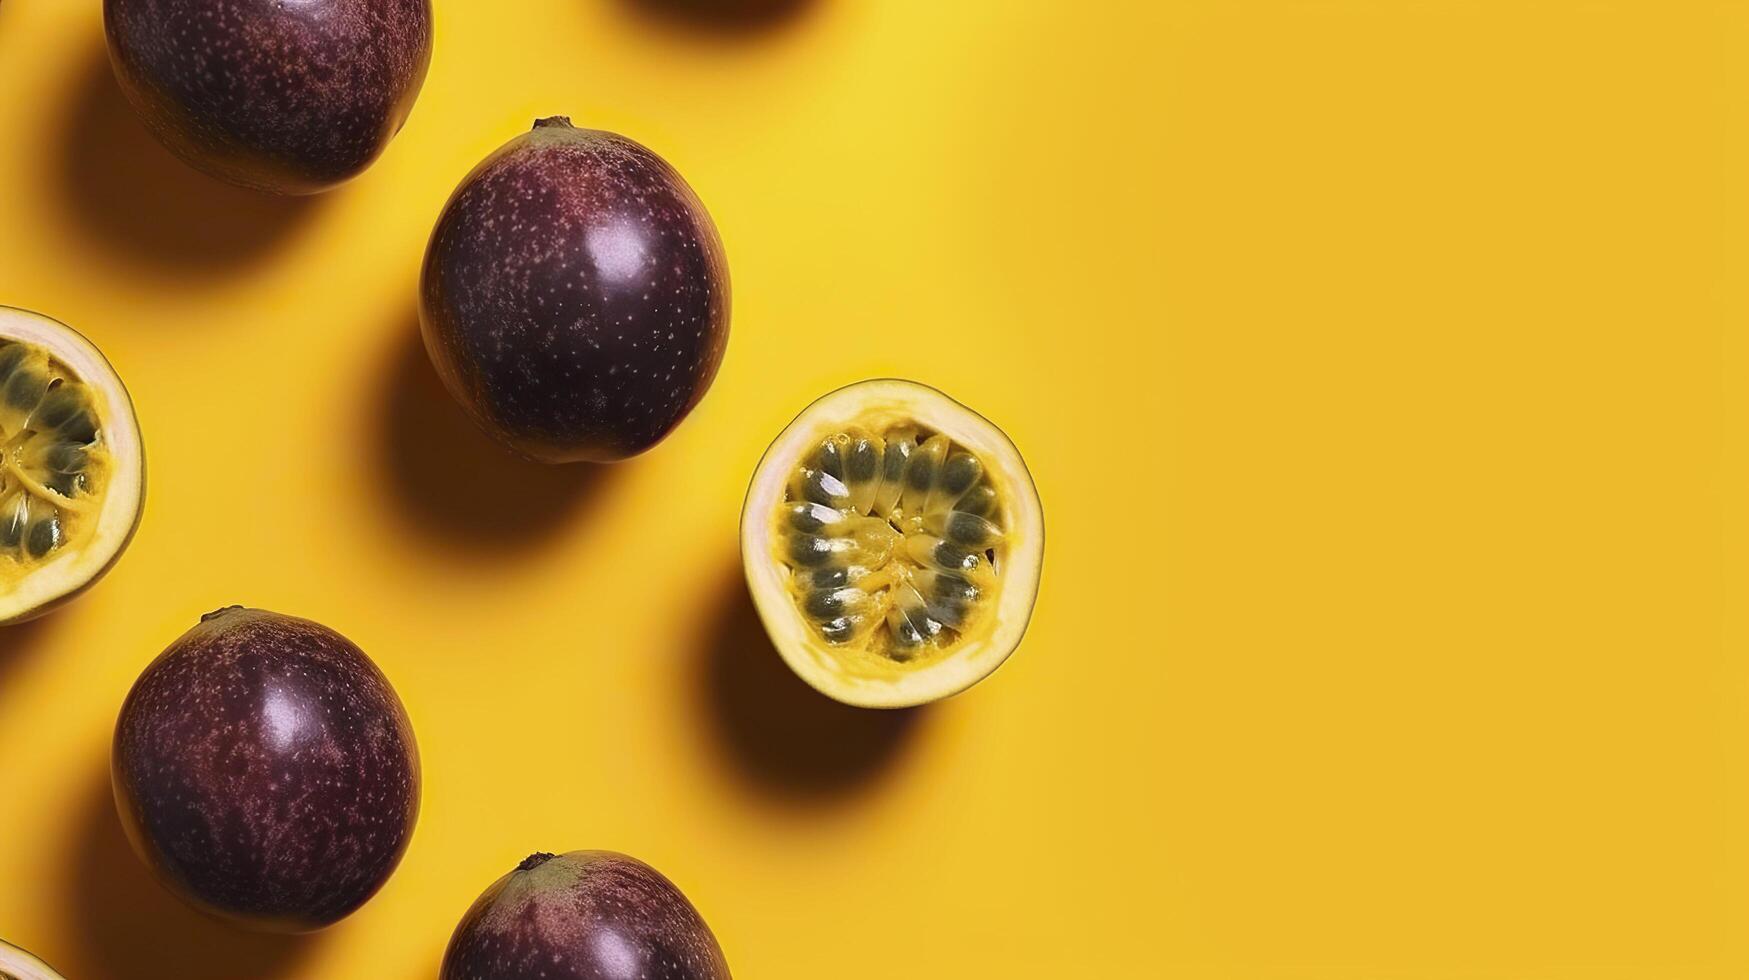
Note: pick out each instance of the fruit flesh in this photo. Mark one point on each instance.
(53, 462)
(893, 539)
(960, 567)
(266, 772)
(586, 915)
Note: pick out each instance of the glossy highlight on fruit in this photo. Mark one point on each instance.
(288, 97)
(72, 468)
(893, 541)
(16, 964)
(586, 915)
(266, 772)
(575, 297)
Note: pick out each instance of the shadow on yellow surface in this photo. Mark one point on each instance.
(132, 929)
(450, 479)
(723, 16)
(786, 738)
(128, 192)
(17, 643)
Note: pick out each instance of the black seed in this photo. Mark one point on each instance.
(828, 578)
(810, 551)
(863, 462)
(951, 556)
(12, 525)
(907, 635)
(11, 356)
(45, 536)
(959, 474)
(955, 589)
(65, 410)
(839, 630)
(979, 501)
(951, 612)
(970, 530)
(921, 473)
(26, 389)
(81, 428)
(893, 465)
(67, 484)
(830, 459)
(824, 488)
(66, 457)
(812, 517)
(824, 604)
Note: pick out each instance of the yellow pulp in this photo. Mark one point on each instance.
(53, 464)
(894, 541)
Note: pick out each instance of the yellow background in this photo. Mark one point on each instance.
(1380, 364)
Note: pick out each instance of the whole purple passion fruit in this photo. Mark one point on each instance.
(575, 297)
(586, 915)
(288, 97)
(266, 772)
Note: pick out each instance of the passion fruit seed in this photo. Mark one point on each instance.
(52, 463)
(891, 540)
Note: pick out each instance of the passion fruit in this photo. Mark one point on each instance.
(575, 298)
(72, 470)
(586, 915)
(291, 98)
(16, 964)
(266, 772)
(893, 540)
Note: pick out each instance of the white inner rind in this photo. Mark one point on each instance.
(15, 962)
(868, 681)
(69, 570)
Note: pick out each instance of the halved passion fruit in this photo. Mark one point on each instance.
(893, 541)
(72, 472)
(16, 964)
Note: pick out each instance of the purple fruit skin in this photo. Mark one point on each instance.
(266, 772)
(291, 98)
(575, 297)
(586, 915)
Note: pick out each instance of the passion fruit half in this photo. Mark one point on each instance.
(72, 470)
(16, 964)
(893, 540)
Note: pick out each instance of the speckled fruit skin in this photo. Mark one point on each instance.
(266, 772)
(586, 915)
(291, 98)
(575, 297)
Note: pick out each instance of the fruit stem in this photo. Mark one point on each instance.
(534, 861)
(219, 612)
(552, 122)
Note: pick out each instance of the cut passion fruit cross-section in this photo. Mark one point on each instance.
(72, 473)
(893, 541)
(16, 964)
